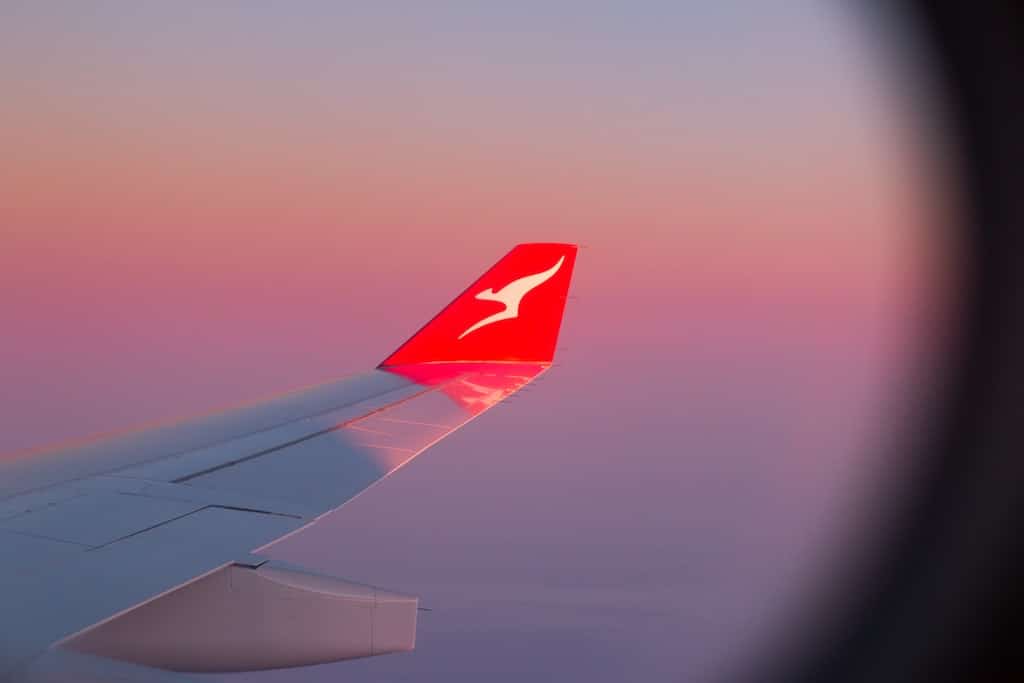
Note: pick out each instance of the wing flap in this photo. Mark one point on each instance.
(243, 618)
(83, 588)
(59, 665)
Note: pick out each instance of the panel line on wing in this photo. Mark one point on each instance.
(44, 537)
(293, 442)
(383, 447)
(360, 428)
(149, 528)
(413, 422)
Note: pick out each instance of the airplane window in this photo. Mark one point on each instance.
(210, 202)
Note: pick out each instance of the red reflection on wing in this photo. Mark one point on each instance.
(474, 387)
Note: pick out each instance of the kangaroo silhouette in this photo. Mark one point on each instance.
(511, 295)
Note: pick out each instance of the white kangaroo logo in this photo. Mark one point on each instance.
(510, 295)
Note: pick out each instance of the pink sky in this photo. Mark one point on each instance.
(203, 207)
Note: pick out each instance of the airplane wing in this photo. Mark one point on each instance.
(138, 558)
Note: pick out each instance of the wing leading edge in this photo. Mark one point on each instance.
(116, 552)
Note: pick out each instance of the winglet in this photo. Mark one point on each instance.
(512, 313)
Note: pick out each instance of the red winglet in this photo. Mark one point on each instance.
(512, 313)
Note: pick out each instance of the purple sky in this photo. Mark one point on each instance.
(209, 205)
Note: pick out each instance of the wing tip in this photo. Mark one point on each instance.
(518, 321)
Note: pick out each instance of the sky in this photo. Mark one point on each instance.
(203, 203)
